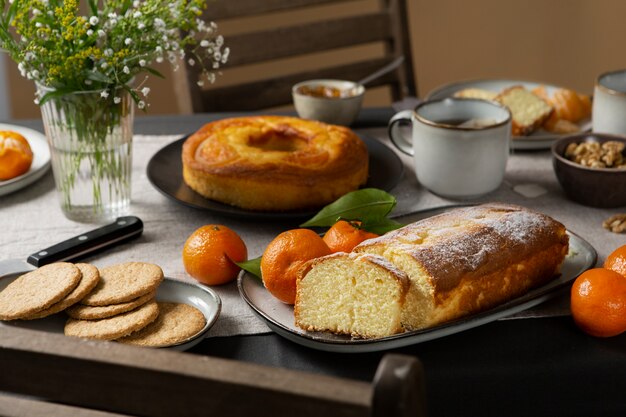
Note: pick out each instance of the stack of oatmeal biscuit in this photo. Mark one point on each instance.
(115, 303)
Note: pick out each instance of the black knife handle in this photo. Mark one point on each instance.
(124, 228)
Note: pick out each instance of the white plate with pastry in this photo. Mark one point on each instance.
(571, 110)
(280, 317)
(41, 159)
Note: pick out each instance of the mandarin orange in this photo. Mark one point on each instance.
(283, 258)
(210, 253)
(616, 261)
(343, 236)
(15, 155)
(598, 302)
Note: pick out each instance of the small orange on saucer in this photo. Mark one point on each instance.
(283, 258)
(15, 155)
(343, 236)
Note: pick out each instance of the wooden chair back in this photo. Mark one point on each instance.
(53, 375)
(387, 26)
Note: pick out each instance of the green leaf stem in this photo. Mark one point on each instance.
(252, 266)
(368, 205)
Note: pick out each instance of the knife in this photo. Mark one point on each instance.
(121, 230)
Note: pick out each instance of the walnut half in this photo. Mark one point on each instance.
(616, 224)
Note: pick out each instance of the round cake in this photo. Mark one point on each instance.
(274, 163)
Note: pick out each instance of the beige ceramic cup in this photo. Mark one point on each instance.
(609, 103)
(460, 147)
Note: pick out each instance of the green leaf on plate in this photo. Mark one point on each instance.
(381, 226)
(367, 205)
(252, 266)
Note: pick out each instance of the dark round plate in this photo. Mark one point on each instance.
(165, 172)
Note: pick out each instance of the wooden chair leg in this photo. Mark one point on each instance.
(399, 388)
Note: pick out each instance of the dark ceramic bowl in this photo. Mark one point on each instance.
(595, 187)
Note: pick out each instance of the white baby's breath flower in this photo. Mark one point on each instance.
(117, 100)
(204, 43)
(93, 20)
(101, 33)
(159, 59)
(126, 70)
(141, 104)
(108, 52)
(89, 32)
(141, 26)
(128, 41)
(36, 12)
(200, 83)
(104, 94)
(145, 91)
(142, 62)
(137, 14)
(36, 100)
(191, 62)
(158, 49)
(104, 65)
(38, 25)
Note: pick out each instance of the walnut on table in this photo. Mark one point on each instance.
(616, 224)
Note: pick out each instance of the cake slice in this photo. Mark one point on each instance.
(528, 111)
(361, 295)
(478, 93)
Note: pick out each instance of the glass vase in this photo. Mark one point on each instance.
(90, 137)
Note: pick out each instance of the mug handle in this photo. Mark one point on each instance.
(395, 134)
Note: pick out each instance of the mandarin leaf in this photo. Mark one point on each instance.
(252, 266)
(367, 205)
(381, 226)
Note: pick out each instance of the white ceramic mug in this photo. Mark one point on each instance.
(460, 146)
(609, 103)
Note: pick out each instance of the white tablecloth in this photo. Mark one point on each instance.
(31, 219)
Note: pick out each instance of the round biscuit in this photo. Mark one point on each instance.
(83, 312)
(113, 327)
(124, 282)
(90, 278)
(176, 323)
(37, 290)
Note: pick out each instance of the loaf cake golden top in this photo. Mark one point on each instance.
(479, 239)
(282, 148)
